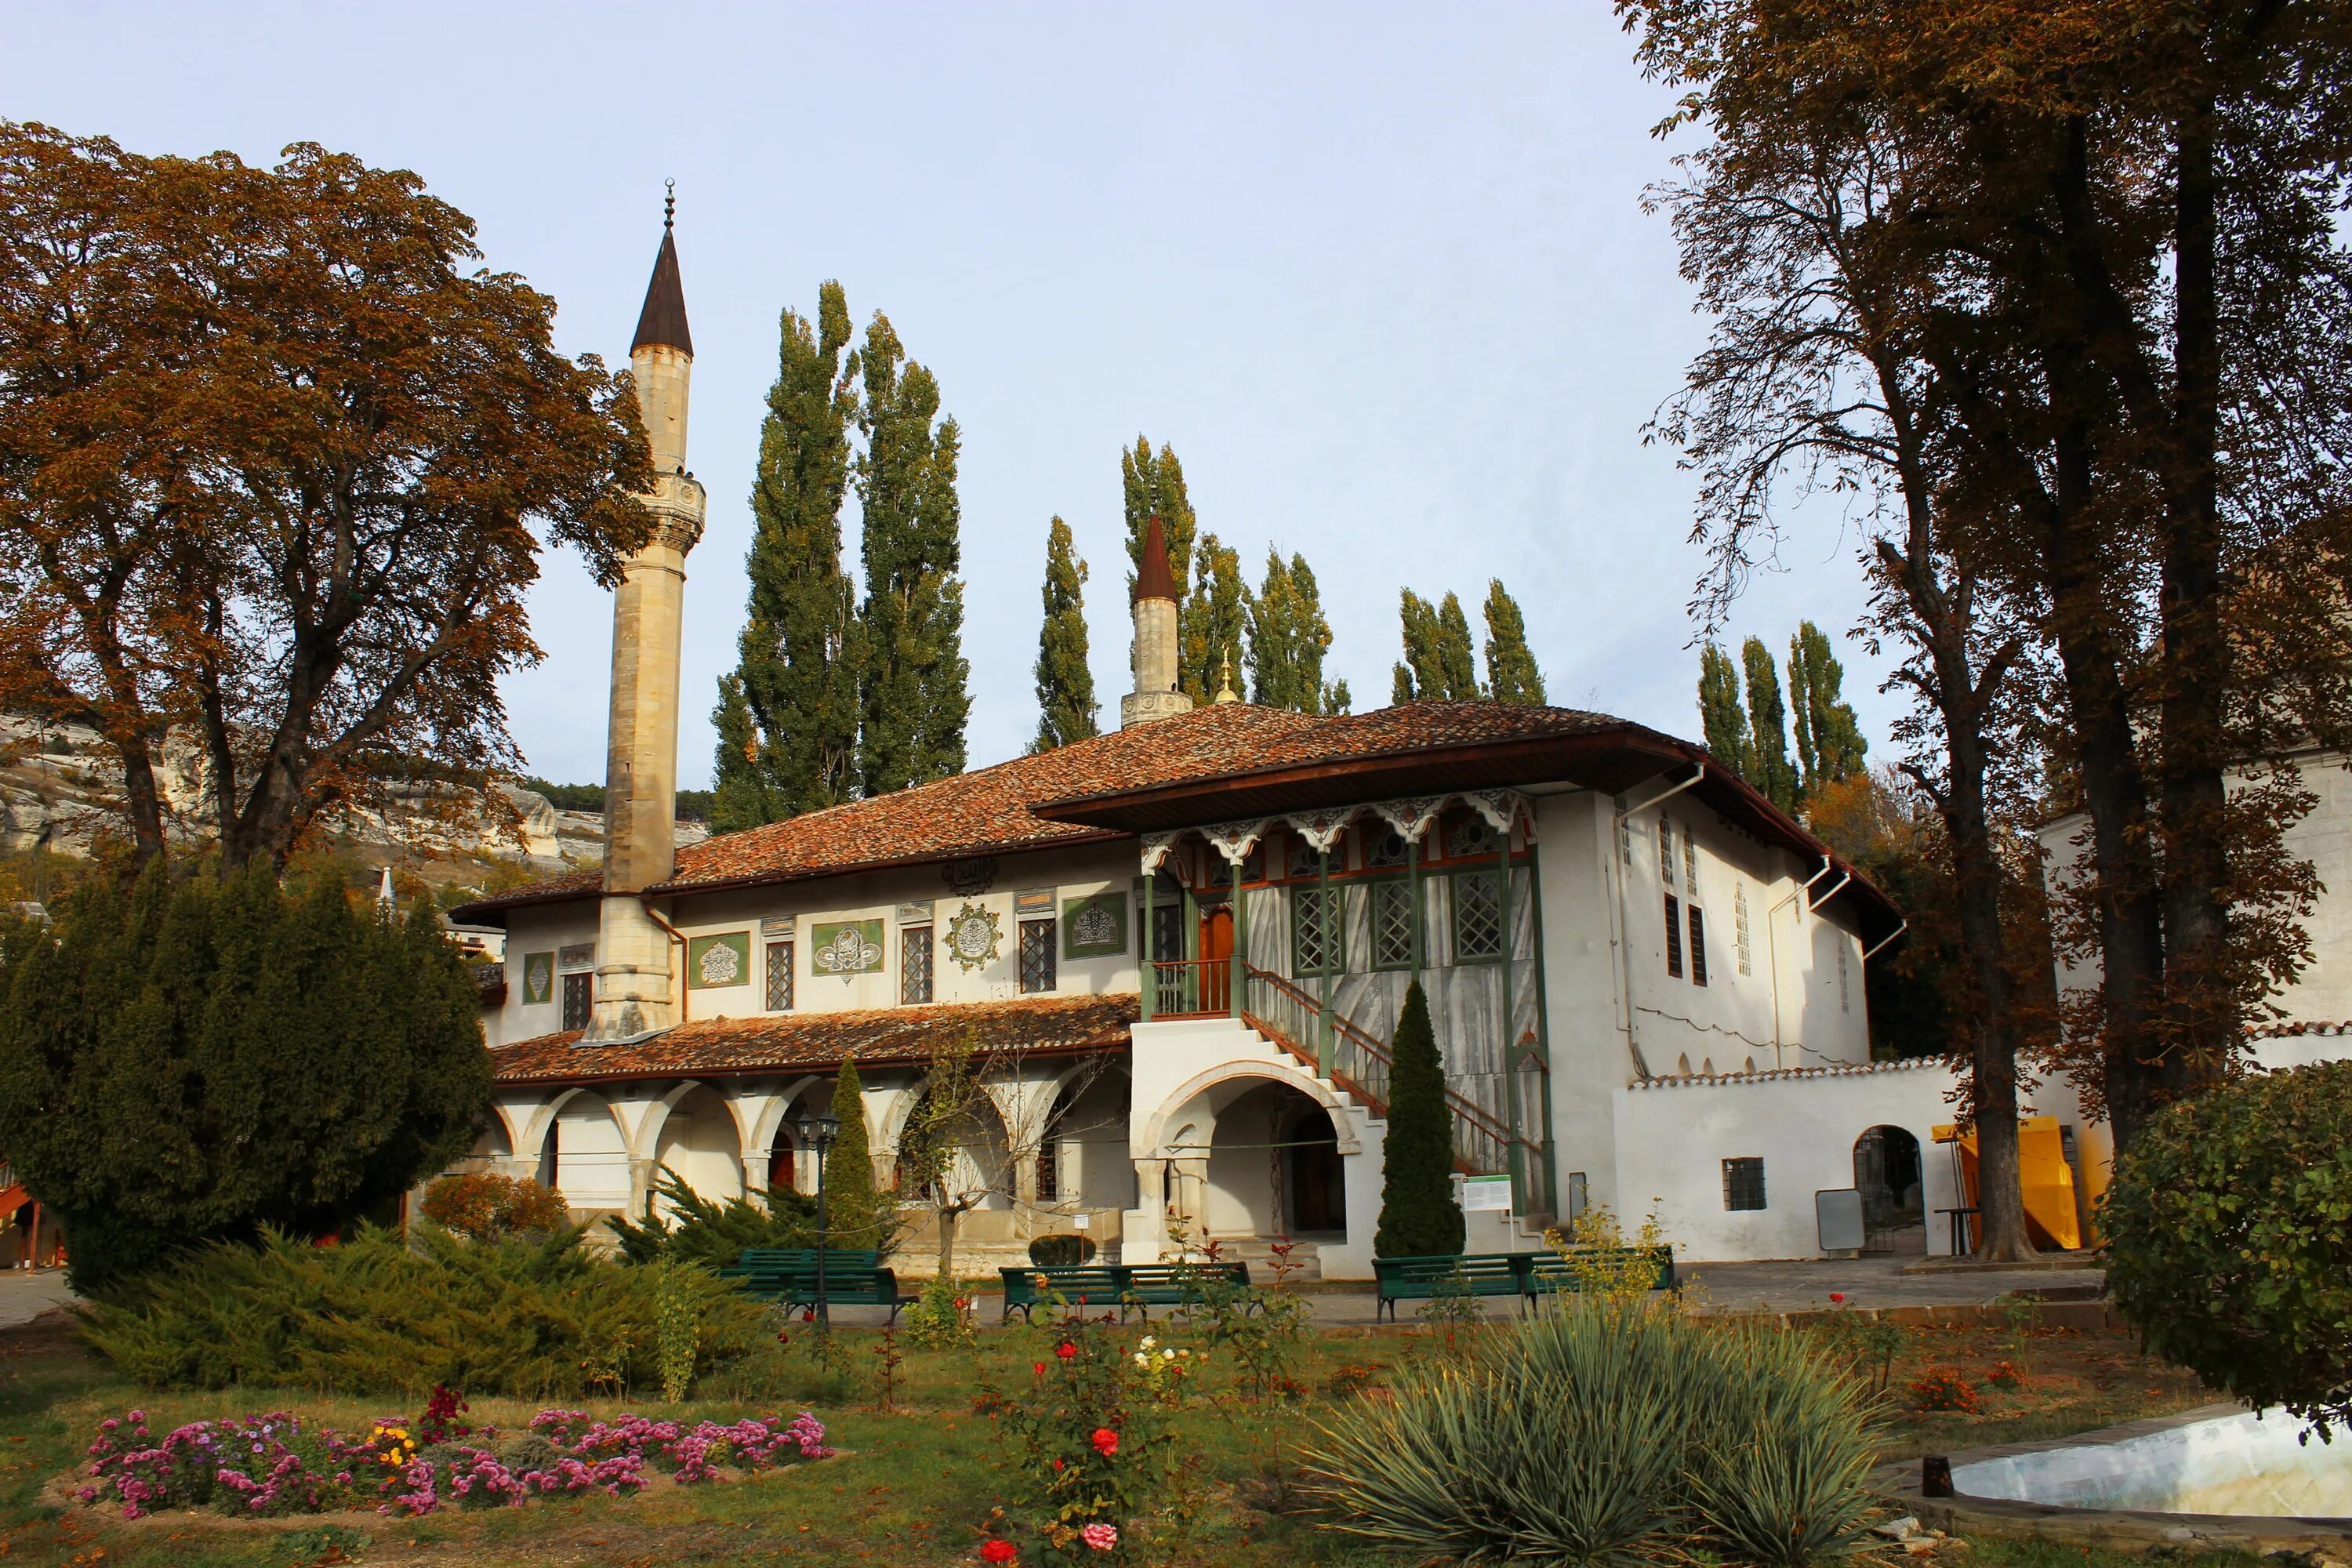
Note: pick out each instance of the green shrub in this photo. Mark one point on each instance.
(2230, 1238)
(1605, 1431)
(1066, 1250)
(697, 1230)
(193, 1062)
(378, 1315)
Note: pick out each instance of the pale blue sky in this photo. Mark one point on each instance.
(1380, 274)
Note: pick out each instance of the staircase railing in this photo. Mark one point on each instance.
(1192, 987)
(1363, 1065)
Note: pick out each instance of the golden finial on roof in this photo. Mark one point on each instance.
(1225, 692)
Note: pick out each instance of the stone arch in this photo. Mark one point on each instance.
(772, 1124)
(1151, 1135)
(533, 1136)
(698, 1133)
(592, 1166)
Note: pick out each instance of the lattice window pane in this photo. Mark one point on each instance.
(1037, 955)
(1393, 924)
(1690, 862)
(1310, 935)
(779, 976)
(1674, 937)
(1698, 945)
(1665, 849)
(1477, 917)
(915, 951)
(1743, 1184)
(578, 1000)
(1739, 928)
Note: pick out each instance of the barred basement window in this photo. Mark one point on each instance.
(1477, 917)
(1037, 955)
(1674, 937)
(1698, 946)
(1743, 1184)
(1391, 925)
(578, 1000)
(1739, 927)
(1665, 849)
(779, 976)
(1311, 936)
(915, 952)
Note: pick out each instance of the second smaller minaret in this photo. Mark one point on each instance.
(1155, 695)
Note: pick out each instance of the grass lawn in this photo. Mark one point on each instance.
(915, 1483)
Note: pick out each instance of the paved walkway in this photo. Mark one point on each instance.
(27, 1293)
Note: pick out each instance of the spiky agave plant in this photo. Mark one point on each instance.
(1605, 1433)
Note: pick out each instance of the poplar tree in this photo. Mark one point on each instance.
(1723, 719)
(1439, 664)
(912, 688)
(1288, 638)
(1511, 672)
(787, 717)
(1768, 727)
(1828, 739)
(1065, 682)
(1153, 485)
(1420, 1216)
(1213, 623)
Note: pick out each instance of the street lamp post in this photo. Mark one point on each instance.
(818, 1131)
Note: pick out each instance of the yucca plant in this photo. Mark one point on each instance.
(1606, 1433)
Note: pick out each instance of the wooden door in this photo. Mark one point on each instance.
(1216, 969)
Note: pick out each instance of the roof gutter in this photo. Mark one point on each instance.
(1900, 927)
(1772, 938)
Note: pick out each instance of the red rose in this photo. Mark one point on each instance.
(1041, 1369)
(1105, 1441)
(1065, 1350)
(1057, 1464)
(999, 1552)
(1837, 1298)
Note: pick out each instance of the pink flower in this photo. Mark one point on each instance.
(1101, 1537)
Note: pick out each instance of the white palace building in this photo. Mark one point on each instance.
(1180, 949)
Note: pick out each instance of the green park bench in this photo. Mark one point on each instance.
(845, 1285)
(1100, 1284)
(1545, 1274)
(775, 1257)
(1424, 1278)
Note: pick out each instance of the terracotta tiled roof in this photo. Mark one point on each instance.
(876, 1037)
(984, 812)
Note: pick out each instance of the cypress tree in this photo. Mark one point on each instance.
(1511, 672)
(1210, 625)
(787, 716)
(1419, 1215)
(1722, 718)
(1830, 746)
(1288, 638)
(189, 1064)
(857, 1215)
(1768, 727)
(912, 693)
(1065, 682)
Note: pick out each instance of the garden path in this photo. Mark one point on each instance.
(27, 1293)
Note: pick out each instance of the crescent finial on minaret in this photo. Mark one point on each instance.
(669, 204)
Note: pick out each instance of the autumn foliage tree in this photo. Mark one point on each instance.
(276, 466)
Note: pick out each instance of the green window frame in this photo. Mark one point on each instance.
(1476, 905)
(1314, 951)
(1393, 922)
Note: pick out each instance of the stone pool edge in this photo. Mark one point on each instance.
(1898, 1482)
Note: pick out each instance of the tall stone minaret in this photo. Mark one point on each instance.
(635, 981)
(1155, 695)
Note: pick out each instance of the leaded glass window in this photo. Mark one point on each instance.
(1477, 917)
(779, 976)
(1391, 925)
(1037, 955)
(1384, 849)
(915, 956)
(1690, 861)
(1665, 849)
(1300, 858)
(1313, 939)
(1469, 835)
(580, 1000)
(1739, 928)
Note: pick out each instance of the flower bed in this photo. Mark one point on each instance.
(272, 1465)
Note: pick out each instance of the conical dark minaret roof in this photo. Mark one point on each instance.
(663, 320)
(1153, 579)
